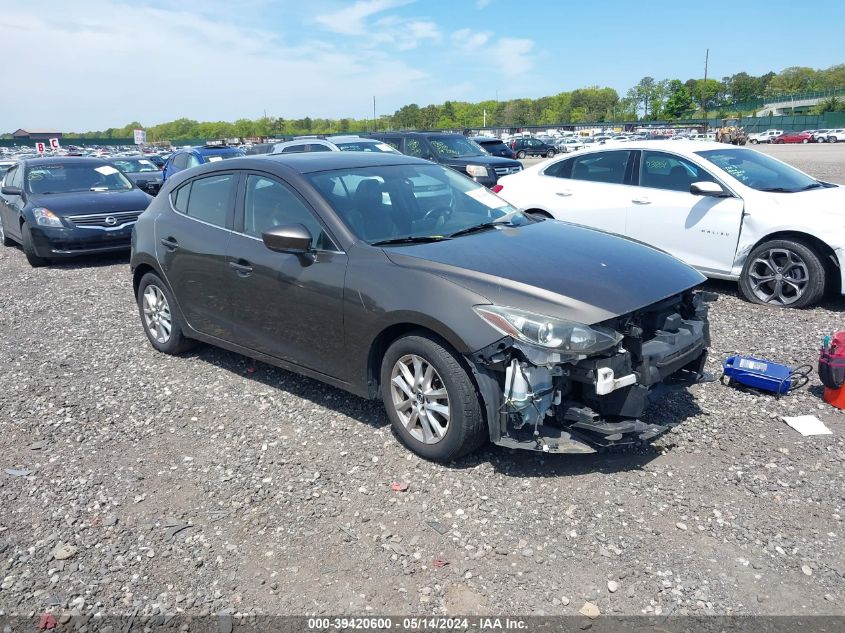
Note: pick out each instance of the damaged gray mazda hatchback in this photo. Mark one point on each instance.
(392, 277)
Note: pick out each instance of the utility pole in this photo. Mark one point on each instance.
(485, 118)
(704, 88)
(374, 114)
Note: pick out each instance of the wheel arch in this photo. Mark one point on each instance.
(824, 250)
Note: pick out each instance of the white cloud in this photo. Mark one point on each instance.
(103, 64)
(513, 55)
(470, 40)
(480, 4)
(352, 19)
(405, 34)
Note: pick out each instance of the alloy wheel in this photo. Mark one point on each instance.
(420, 399)
(779, 276)
(157, 315)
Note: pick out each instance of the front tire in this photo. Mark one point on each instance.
(821, 139)
(35, 260)
(550, 153)
(783, 273)
(4, 239)
(832, 139)
(160, 317)
(430, 399)
(753, 141)
(520, 154)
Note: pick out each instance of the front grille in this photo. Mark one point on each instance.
(506, 171)
(105, 220)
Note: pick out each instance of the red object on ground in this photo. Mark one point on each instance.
(399, 487)
(47, 621)
(439, 562)
(835, 397)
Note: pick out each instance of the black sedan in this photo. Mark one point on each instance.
(63, 207)
(471, 321)
(140, 170)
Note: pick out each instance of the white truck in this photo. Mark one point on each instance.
(764, 137)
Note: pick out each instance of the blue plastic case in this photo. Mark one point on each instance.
(759, 373)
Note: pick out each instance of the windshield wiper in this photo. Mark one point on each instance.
(483, 227)
(777, 190)
(814, 185)
(411, 239)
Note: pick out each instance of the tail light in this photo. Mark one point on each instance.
(496, 188)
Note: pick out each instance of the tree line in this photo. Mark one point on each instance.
(649, 99)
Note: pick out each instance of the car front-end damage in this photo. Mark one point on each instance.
(561, 387)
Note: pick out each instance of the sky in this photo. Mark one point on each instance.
(93, 64)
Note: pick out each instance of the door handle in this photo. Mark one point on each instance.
(170, 243)
(242, 267)
(563, 194)
(641, 201)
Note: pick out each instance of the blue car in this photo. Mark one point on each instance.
(199, 155)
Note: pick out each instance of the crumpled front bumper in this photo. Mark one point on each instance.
(597, 402)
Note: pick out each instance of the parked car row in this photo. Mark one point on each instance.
(805, 136)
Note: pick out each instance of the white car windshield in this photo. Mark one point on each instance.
(759, 171)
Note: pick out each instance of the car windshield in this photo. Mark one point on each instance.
(367, 146)
(410, 202)
(455, 147)
(134, 165)
(59, 178)
(759, 171)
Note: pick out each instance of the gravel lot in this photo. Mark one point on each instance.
(210, 483)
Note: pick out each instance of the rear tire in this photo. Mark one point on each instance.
(753, 141)
(550, 153)
(520, 154)
(421, 364)
(783, 273)
(805, 140)
(820, 139)
(832, 139)
(160, 316)
(32, 257)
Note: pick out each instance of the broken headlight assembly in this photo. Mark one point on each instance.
(548, 332)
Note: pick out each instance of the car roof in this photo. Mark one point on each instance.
(486, 139)
(309, 162)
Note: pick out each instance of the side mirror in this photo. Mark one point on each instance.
(290, 238)
(11, 191)
(707, 188)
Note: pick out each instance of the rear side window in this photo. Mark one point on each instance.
(180, 198)
(413, 147)
(180, 161)
(210, 199)
(607, 167)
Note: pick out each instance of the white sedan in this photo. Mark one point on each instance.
(731, 212)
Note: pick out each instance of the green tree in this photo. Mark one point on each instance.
(679, 102)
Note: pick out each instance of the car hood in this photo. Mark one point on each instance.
(554, 268)
(63, 204)
(487, 160)
(144, 176)
(811, 204)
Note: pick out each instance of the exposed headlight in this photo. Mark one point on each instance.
(477, 171)
(45, 217)
(548, 332)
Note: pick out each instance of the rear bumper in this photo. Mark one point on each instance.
(63, 242)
